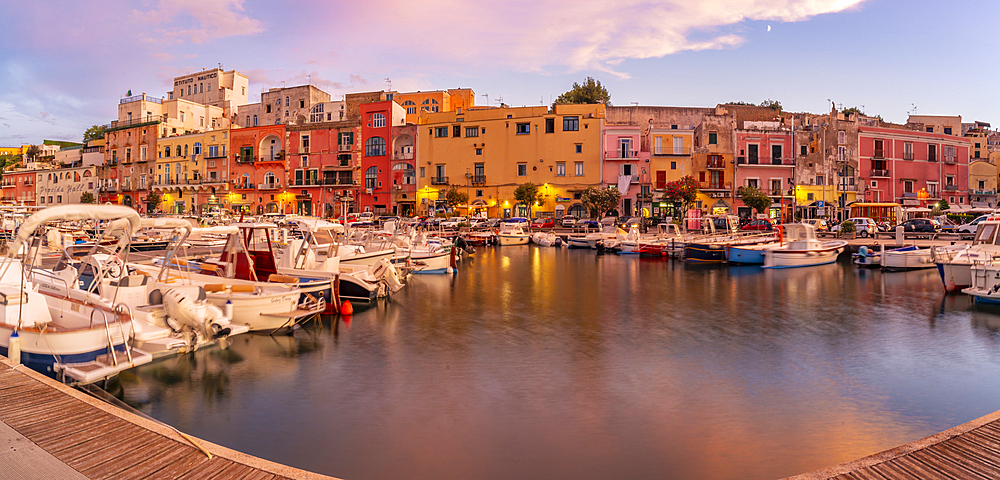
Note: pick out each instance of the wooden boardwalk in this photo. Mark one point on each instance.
(101, 441)
(971, 450)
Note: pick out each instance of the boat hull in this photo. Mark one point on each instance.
(509, 240)
(907, 260)
(704, 253)
(746, 256)
(805, 258)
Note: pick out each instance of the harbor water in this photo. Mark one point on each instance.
(537, 363)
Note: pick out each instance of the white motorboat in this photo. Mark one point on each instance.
(749, 254)
(907, 258)
(801, 248)
(512, 234)
(955, 261)
(985, 286)
(73, 337)
(546, 239)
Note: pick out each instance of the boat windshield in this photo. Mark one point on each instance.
(986, 233)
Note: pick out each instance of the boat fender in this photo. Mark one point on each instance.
(14, 348)
(950, 286)
(346, 308)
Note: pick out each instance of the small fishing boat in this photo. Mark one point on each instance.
(546, 239)
(907, 258)
(512, 233)
(752, 254)
(867, 257)
(801, 248)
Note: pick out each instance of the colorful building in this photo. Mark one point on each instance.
(983, 183)
(488, 153)
(416, 104)
(913, 167)
(19, 187)
(377, 122)
(764, 160)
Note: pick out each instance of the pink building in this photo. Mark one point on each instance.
(913, 168)
(625, 165)
(765, 159)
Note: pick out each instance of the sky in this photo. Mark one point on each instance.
(66, 64)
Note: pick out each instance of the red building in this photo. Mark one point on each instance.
(19, 187)
(765, 159)
(322, 161)
(913, 168)
(377, 121)
(259, 171)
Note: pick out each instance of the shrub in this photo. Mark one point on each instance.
(847, 227)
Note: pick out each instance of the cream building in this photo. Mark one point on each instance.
(65, 186)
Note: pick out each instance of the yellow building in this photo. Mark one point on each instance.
(11, 151)
(435, 101)
(983, 183)
(488, 153)
(179, 166)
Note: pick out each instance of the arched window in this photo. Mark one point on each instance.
(408, 102)
(375, 147)
(197, 148)
(426, 101)
(255, 120)
(86, 173)
(248, 120)
(167, 152)
(371, 176)
(378, 120)
(268, 178)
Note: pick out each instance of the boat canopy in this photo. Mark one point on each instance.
(76, 212)
(314, 224)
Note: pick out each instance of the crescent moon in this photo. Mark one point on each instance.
(769, 28)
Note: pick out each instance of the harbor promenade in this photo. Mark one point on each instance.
(49, 430)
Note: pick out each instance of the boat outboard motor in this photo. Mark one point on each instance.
(464, 245)
(600, 247)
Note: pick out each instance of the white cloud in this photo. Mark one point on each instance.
(198, 21)
(534, 36)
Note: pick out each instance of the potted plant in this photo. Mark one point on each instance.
(847, 229)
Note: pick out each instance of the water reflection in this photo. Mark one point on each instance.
(541, 363)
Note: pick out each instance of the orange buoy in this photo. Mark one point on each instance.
(346, 308)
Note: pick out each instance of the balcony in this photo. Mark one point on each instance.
(479, 179)
(879, 154)
(237, 185)
(439, 180)
(402, 155)
(119, 124)
(950, 160)
(715, 186)
(951, 188)
(674, 152)
(766, 161)
(847, 188)
(880, 174)
(344, 148)
(621, 155)
(716, 164)
(644, 196)
(337, 181)
(982, 192)
(269, 186)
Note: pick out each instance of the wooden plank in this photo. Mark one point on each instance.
(174, 453)
(39, 412)
(958, 455)
(918, 468)
(207, 469)
(114, 449)
(74, 446)
(65, 421)
(866, 474)
(891, 470)
(943, 464)
(128, 458)
(183, 466)
(49, 438)
(260, 475)
(982, 447)
(235, 470)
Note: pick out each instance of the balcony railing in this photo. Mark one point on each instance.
(950, 160)
(134, 121)
(715, 186)
(715, 164)
(908, 156)
(344, 148)
(136, 98)
(983, 192)
(673, 151)
(337, 181)
(951, 188)
(765, 161)
(439, 180)
(242, 185)
(478, 179)
(879, 154)
(880, 173)
(621, 154)
(402, 156)
(644, 196)
(269, 186)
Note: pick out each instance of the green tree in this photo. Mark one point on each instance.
(598, 201)
(754, 198)
(528, 194)
(153, 200)
(87, 197)
(590, 92)
(32, 152)
(772, 104)
(852, 110)
(95, 132)
(454, 198)
(681, 193)
(943, 204)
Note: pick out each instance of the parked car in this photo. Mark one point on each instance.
(971, 226)
(919, 225)
(489, 223)
(452, 222)
(760, 224)
(543, 222)
(863, 226)
(819, 223)
(568, 221)
(587, 223)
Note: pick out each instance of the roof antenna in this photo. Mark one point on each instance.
(388, 84)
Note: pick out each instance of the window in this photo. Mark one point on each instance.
(842, 153)
(841, 137)
(267, 109)
(908, 186)
(479, 151)
(378, 120)
(579, 148)
(286, 101)
(522, 169)
(375, 147)
(550, 125)
(803, 150)
(345, 138)
(673, 165)
(302, 104)
(929, 129)
(440, 132)
(255, 120)
(819, 180)
(197, 148)
(879, 150)
(658, 145)
(142, 153)
(571, 124)
(479, 193)
(561, 169)
(947, 130)
(678, 145)
(931, 153)
(907, 150)
(471, 131)
(456, 131)
(752, 182)
(422, 170)
(713, 138)
(523, 128)
(371, 177)
(166, 152)
(578, 169)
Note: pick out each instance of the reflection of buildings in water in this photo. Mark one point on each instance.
(985, 319)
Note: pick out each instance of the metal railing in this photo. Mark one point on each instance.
(615, 154)
(478, 179)
(269, 186)
(439, 180)
(880, 173)
(951, 188)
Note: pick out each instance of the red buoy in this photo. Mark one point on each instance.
(346, 308)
